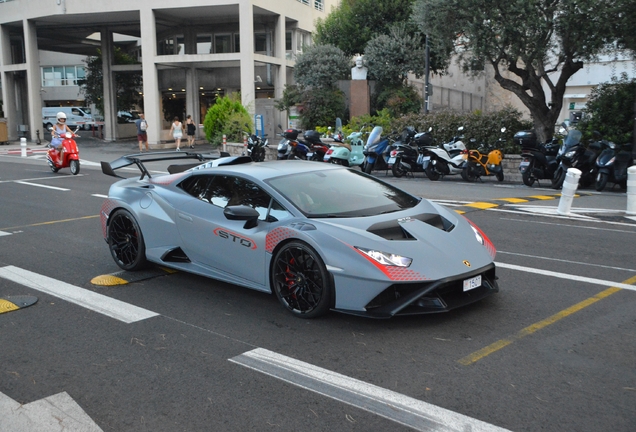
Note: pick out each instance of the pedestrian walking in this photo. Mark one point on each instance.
(177, 132)
(142, 136)
(191, 130)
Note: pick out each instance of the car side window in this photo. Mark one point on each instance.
(222, 191)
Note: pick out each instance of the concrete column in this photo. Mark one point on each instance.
(192, 96)
(280, 72)
(246, 28)
(110, 90)
(8, 95)
(152, 95)
(33, 80)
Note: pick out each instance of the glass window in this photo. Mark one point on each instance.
(288, 41)
(237, 43)
(322, 194)
(180, 45)
(260, 42)
(222, 43)
(222, 191)
(204, 44)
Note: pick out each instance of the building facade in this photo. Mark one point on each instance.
(188, 53)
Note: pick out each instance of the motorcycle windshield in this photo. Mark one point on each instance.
(572, 139)
(374, 136)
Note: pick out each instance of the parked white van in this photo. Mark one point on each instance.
(75, 116)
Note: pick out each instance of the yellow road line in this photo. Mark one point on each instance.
(512, 200)
(494, 347)
(49, 222)
(481, 205)
(545, 197)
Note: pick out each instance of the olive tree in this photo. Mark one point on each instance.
(531, 45)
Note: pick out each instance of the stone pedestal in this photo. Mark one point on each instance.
(359, 98)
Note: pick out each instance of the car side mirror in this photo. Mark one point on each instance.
(242, 212)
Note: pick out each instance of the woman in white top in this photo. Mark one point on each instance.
(177, 132)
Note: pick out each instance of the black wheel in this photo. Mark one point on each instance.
(558, 179)
(53, 168)
(300, 280)
(368, 167)
(75, 167)
(431, 172)
(601, 181)
(125, 241)
(316, 157)
(468, 173)
(500, 176)
(527, 177)
(398, 169)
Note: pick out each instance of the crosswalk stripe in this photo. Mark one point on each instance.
(82, 297)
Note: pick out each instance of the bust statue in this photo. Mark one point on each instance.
(359, 72)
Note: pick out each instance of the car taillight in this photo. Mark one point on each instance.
(394, 153)
(329, 151)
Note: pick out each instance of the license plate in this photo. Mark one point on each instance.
(392, 160)
(472, 283)
(425, 158)
(524, 163)
(326, 157)
(309, 154)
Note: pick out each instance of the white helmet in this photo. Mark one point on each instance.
(61, 115)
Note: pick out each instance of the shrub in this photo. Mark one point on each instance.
(227, 117)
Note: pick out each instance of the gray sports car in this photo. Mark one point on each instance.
(318, 236)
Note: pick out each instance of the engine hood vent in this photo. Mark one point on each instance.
(394, 230)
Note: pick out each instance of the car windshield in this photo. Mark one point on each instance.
(341, 193)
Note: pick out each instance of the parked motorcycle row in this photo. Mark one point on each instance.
(600, 163)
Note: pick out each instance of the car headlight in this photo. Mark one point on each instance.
(386, 258)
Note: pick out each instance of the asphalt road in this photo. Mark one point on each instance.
(553, 351)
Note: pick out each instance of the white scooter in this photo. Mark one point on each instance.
(445, 160)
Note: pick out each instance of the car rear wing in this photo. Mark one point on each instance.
(140, 159)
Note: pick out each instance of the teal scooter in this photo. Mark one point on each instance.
(348, 153)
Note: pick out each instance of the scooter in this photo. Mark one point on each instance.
(446, 159)
(573, 154)
(479, 163)
(538, 160)
(70, 158)
(376, 151)
(284, 149)
(347, 153)
(256, 147)
(316, 148)
(612, 164)
(409, 158)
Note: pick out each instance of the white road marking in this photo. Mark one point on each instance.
(42, 178)
(579, 227)
(567, 276)
(566, 261)
(82, 297)
(41, 185)
(394, 406)
(99, 195)
(3, 233)
(54, 413)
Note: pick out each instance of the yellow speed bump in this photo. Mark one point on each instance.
(12, 303)
(482, 205)
(125, 277)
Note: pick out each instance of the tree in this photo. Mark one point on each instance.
(127, 84)
(609, 110)
(355, 22)
(227, 117)
(530, 44)
(316, 73)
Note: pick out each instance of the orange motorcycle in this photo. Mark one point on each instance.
(480, 164)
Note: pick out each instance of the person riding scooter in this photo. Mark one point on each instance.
(57, 135)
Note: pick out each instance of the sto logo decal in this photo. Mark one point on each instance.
(235, 238)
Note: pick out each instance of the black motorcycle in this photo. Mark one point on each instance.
(377, 151)
(406, 155)
(573, 154)
(538, 160)
(317, 148)
(256, 147)
(612, 164)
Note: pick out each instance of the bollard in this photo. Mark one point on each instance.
(225, 143)
(23, 149)
(569, 189)
(244, 145)
(631, 191)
